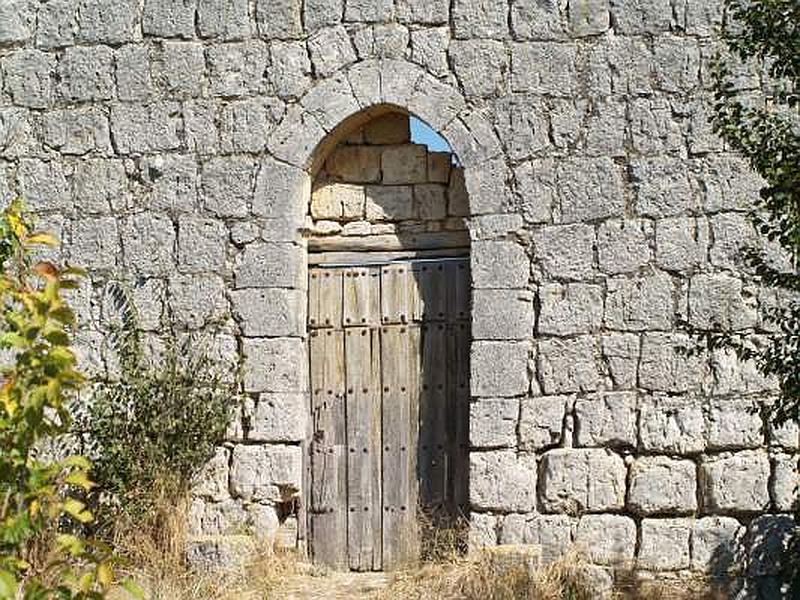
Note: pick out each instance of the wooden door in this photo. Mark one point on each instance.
(389, 351)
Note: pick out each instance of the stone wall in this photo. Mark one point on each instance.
(173, 143)
(378, 191)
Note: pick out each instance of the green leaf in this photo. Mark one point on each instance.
(8, 585)
(133, 589)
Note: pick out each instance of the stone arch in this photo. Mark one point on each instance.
(352, 97)
(355, 93)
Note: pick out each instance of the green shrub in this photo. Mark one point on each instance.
(39, 558)
(152, 429)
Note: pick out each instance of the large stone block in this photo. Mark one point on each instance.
(227, 185)
(481, 66)
(276, 312)
(524, 127)
(590, 189)
(271, 473)
(499, 265)
(357, 164)
(735, 483)
(569, 365)
(279, 19)
(544, 68)
(666, 367)
(502, 480)
(714, 544)
(227, 20)
(671, 425)
(641, 304)
(404, 164)
(57, 22)
(389, 203)
(589, 17)
(624, 246)
(677, 64)
(607, 539)
(499, 368)
(100, 185)
(607, 419)
(581, 480)
(655, 127)
(290, 70)
(212, 481)
(278, 417)
(662, 187)
(148, 244)
(28, 77)
(180, 69)
(270, 264)
(94, 244)
(198, 300)
(133, 75)
(734, 424)
(682, 243)
(428, 12)
(76, 130)
(784, 483)
(171, 182)
(482, 530)
(473, 18)
(636, 17)
(516, 306)
(17, 21)
(429, 48)
(569, 309)
(552, 533)
(565, 252)
(109, 21)
(43, 185)
(660, 485)
(275, 365)
(621, 355)
(281, 190)
(330, 49)
(237, 68)
(541, 422)
(531, 20)
(142, 129)
(169, 18)
(87, 74)
(493, 422)
(665, 544)
(719, 301)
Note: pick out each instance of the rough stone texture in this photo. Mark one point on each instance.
(660, 485)
(714, 541)
(606, 419)
(574, 481)
(735, 483)
(607, 539)
(553, 533)
(493, 423)
(665, 544)
(502, 480)
(174, 144)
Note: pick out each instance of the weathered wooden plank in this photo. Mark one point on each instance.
(349, 259)
(400, 377)
(432, 421)
(432, 290)
(325, 298)
(362, 297)
(459, 293)
(328, 448)
(398, 293)
(458, 413)
(362, 351)
(390, 242)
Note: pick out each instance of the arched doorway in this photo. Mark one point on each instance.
(389, 334)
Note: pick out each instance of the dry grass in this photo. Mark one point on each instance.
(483, 577)
(153, 551)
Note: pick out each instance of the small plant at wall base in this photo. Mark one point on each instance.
(154, 428)
(39, 558)
(766, 130)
